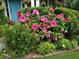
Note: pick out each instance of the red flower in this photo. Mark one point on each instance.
(53, 23)
(35, 26)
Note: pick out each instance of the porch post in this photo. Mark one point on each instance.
(32, 3)
(37, 3)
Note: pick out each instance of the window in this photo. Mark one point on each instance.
(47, 2)
(51, 2)
(0, 3)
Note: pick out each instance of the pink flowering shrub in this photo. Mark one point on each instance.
(39, 29)
(48, 23)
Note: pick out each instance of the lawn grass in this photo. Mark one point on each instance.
(71, 55)
(2, 57)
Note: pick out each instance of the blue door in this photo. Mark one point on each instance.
(14, 6)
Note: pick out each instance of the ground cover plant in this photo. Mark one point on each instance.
(42, 30)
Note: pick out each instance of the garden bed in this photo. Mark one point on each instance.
(41, 32)
(33, 55)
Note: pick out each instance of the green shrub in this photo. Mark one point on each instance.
(43, 10)
(73, 28)
(77, 37)
(1, 11)
(19, 39)
(72, 13)
(45, 47)
(23, 37)
(64, 44)
(74, 43)
(3, 18)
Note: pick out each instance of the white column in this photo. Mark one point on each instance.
(37, 3)
(32, 3)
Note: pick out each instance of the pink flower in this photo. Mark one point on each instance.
(43, 25)
(28, 14)
(60, 16)
(44, 29)
(44, 19)
(66, 19)
(35, 26)
(53, 23)
(35, 11)
(53, 9)
(19, 13)
(22, 19)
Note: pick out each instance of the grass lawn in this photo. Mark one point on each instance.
(72, 55)
(2, 57)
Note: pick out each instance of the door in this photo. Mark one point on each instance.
(14, 6)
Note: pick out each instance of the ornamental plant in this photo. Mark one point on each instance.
(45, 23)
(36, 27)
(19, 39)
(45, 48)
(65, 44)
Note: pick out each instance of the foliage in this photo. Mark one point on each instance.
(73, 28)
(50, 15)
(38, 26)
(1, 11)
(77, 37)
(72, 13)
(45, 48)
(74, 43)
(64, 44)
(73, 24)
(3, 18)
(72, 4)
(17, 38)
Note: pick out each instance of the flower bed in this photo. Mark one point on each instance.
(40, 30)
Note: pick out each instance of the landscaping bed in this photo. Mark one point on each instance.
(41, 31)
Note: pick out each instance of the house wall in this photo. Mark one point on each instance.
(32, 5)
